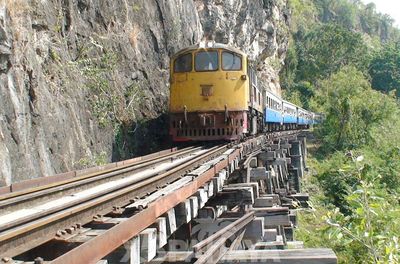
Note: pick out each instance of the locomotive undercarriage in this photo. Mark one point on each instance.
(213, 126)
(206, 126)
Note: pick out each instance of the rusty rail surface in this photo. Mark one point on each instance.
(20, 189)
(98, 247)
(29, 233)
(31, 185)
(39, 193)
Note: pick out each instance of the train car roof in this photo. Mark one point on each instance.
(274, 96)
(302, 109)
(209, 45)
(289, 103)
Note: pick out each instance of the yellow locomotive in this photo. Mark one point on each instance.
(214, 94)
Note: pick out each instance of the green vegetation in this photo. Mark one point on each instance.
(108, 104)
(385, 69)
(113, 107)
(352, 110)
(136, 8)
(327, 48)
(93, 160)
(344, 61)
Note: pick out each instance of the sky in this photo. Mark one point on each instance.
(390, 7)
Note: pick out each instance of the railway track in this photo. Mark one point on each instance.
(31, 196)
(86, 217)
(87, 196)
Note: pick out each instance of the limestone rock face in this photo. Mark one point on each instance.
(260, 28)
(73, 71)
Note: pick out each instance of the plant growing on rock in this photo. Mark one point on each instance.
(111, 106)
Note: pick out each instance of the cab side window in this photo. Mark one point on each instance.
(206, 61)
(231, 61)
(183, 63)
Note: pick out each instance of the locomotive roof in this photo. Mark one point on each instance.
(209, 45)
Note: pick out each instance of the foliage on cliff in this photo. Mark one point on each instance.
(345, 63)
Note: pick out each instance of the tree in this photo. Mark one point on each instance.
(304, 15)
(386, 25)
(326, 49)
(385, 69)
(346, 13)
(352, 110)
(369, 19)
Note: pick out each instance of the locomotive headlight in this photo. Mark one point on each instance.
(243, 77)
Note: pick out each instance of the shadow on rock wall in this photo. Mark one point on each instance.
(141, 138)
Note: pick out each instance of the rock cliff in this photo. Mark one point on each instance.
(78, 77)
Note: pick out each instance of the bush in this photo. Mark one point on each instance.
(353, 110)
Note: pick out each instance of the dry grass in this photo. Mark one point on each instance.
(134, 33)
(16, 7)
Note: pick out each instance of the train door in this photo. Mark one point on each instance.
(255, 103)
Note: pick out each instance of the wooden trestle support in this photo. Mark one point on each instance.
(237, 207)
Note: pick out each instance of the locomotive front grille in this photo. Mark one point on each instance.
(207, 132)
(208, 126)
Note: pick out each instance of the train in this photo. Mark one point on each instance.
(215, 94)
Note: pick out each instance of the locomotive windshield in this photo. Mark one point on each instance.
(231, 61)
(183, 63)
(206, 61)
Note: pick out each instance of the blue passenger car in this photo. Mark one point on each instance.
(289, 114)
(302, 117)
(273, 111)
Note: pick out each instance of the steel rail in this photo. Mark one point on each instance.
(72, 203)
(93, 174)
(45, 222)
(99, 246)
(29, 195)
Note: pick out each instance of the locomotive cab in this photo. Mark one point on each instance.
(211, 94)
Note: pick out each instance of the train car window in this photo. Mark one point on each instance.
(183, 63)
(231, 62)
(206, 61)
